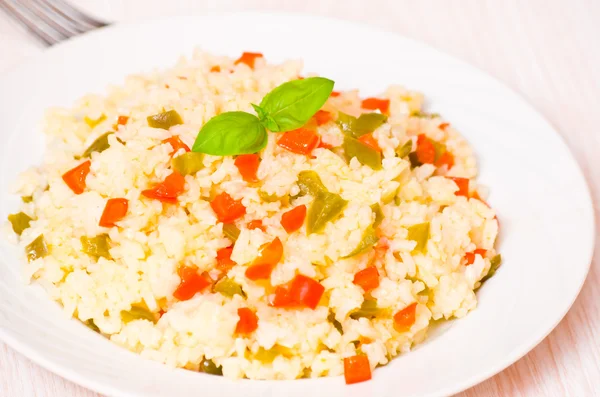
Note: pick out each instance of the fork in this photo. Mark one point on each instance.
(50, 21)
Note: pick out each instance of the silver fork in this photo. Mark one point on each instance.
(50, 21)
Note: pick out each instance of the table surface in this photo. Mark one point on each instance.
(547, 50)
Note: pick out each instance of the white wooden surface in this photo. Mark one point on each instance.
(547, 50)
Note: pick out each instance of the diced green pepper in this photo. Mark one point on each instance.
(405, 149)
(209, 367)
(420, 234)
(268, 198)
(336, 323)
(27, 199)
(36, 249)
(369, 239)
(96, 246)
(164, 120)
(389, 196)
(364, 124)
(326, 207)
(368, 309)
(414, 160)
(91, 325)
(137, 313)
(19, 222)
(425, 115)
(363, 153)
(310, 183)
(92, 123)
(376, 208)
(188, 163)
(495, 263)
(231, 231)
(229, 288)
(99, 145)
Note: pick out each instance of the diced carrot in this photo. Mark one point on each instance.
(325, 145)
(305, 291)
(224, 262)
(114, 211)
(323, 117)
(367, 279)
(168, 190)
(282, 297)
(261, 271)
(248, 321)
(335, 93)
(176, 143)
(215, 69)
(269, 256)
(293, 219)
(443, 126)
(425, 150)
(470, 256)
(376, 103)
(227, 209)
(191, 283)
(122, 120)
(75, 178)
(463, 186)
(405, 318)
(300, 141)
(249, 58)
(256, 224)
(370, 141)
(446, 159)
(357, 369)
(248, 164)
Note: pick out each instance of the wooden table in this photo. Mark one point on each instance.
(547, 50)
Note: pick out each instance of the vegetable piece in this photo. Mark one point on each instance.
(227, 209)
(36, 249)
(94, 122)
(463, 186)
(114, 211)
(335, 94)
(420, 234)
(336, 323)
(231, 231)
(122, 120)
(290, 105)
(405, 318)
(215, 69)
(495, 263)
(425, 115)
(282, 297)
(376, 103)
(446, 159)
(75, 178)
(309, 182)
(99, 145)
(229, 288)
(176, 143)
(370, 141)
(247, 165)
(137, 313)
(269, 256)
(414, 160)
(209, 367)
(27, 199)
(376, 208)
(323, 117)
(293, 219)
(356, 127)
(357, 369)
(425, 150)
(368, 240)
(97, 246)
(168, 190)
(248, 321)
(325, 208)
(248, 58)
(300, 141)
(230, 134)
(256, 224)
(367, 279)
(368, 309)
(19, 222)
(305, 291)
(405, 149)
(224, 262)
(188, 163)
(91, 325)
(191, 283)
(363, 153)
(470, 256)
(164, 120)
(268, 198)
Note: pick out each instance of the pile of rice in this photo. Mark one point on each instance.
(154, 238)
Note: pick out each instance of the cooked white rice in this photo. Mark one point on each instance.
(154, 238)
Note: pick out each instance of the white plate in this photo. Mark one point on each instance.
(544, 205)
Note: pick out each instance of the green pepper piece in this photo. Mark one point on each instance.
(368, 309)
(364, 124)
(36, 249)
(336, 323)
(414, 160)
(19, 222)
(310, 183)
(495, 263)
(420, 234)
(99, 145)
(405, 149)
(96, 246)
(188, 163)
(376, 208)
(209, 367)
(324, 208)
(268, 198)
(440, 149)
(424, 115)
(92, 123)
(229, 288)
(231, 231)
(137, 313)
(363, 153)
(164, 120)
(91, 325)
(369, 239)
(27, 199)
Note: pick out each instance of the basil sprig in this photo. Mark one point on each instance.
(288, 107)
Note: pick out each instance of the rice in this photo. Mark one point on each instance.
(154, 240)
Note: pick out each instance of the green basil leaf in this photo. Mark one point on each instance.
(230, 134)
(260, 112)
(293, 103)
